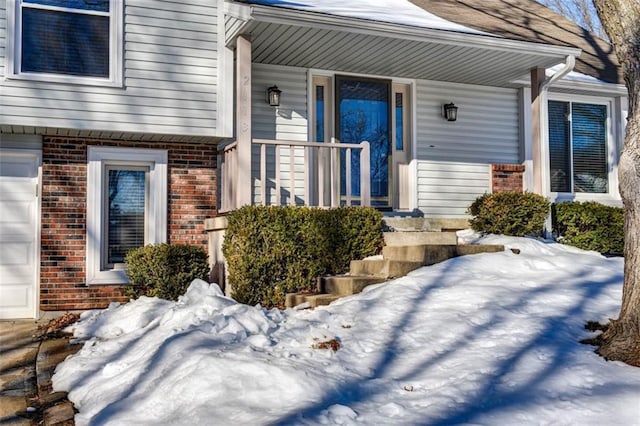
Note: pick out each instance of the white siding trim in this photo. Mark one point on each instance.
(526, 135)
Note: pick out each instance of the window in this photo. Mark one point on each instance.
(126, 207)
(124, 226)
(578, 147)
(66, 40)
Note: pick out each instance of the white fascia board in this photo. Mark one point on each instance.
(284, 16)
(242, 12)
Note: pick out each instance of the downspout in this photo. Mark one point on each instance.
(539, 111)
(541, 150)
(566, 69)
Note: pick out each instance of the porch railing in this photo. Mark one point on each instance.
(320, 172)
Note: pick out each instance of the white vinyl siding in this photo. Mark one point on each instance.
(170, 78)
(454, 158)
(446, 189)
(286, 122)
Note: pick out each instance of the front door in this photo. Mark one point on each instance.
(365, 109)
(363, 113)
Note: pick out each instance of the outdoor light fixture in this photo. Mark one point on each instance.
(273, 96)
(450, 112)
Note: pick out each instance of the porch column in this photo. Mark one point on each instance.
(537, 77)
(243, 121)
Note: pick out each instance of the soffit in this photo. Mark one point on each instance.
(354, 46)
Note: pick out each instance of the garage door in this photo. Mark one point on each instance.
(18, 234)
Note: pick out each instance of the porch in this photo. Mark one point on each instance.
(299, 153)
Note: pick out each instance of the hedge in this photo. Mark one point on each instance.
(590, 226)
(275, 250)
(509, 213)
(165, 270)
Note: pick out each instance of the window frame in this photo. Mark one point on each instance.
(99, 159)
(612, 159)
(13, 59)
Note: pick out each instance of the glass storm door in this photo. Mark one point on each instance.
(363, 113)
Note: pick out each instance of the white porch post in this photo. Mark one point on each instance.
(243, 121)
(537, 77)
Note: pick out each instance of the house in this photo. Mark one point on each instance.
(128, 122)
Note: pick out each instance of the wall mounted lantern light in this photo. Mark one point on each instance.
(450, 112)
(273, 96)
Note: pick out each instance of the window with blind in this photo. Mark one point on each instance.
(66, 38)
(126, 207)
(578, 147)
(126, 194)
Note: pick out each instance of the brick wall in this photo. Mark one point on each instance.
(507, 177)
(192, 198)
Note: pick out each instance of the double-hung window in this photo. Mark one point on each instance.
(126, 207)
(578, 151)
(66, 40)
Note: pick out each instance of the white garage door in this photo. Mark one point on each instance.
(18, 234)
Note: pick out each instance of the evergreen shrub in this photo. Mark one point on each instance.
(165, 270)
(275, 250)
(590, 226)
(509, 213)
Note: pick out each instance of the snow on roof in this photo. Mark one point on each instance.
(573, 75)
(391, 11)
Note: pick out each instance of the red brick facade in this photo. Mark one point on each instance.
(192, 198)
(507, 177)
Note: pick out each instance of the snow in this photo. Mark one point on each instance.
(573, 75)
(488, 339)
(400, 12)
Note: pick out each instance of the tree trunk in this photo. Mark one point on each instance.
(621, 20)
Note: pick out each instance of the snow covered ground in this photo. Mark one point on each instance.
(490, 339)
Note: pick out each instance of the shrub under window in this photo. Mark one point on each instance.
(509, 213)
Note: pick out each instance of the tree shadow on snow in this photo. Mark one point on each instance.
(490, 394)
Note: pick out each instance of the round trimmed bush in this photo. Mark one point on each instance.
(165, 270)
(509, 213)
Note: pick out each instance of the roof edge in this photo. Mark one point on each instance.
(280, 15)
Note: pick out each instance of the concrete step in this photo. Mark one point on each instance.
(346, 285)
(399, 223)
(383, 268)
(465, 249)
(425, 254)
(314, 300)
(418, 238)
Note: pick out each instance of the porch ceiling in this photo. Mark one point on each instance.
(312, 40)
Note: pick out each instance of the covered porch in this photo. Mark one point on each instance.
(304, 151)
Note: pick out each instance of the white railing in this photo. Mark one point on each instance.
(320, 174)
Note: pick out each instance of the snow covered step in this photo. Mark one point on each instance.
(346, 285)
(417, 238)
(383, 268)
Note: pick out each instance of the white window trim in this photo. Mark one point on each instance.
(98, 158)
(13, 51)
(612, 155)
